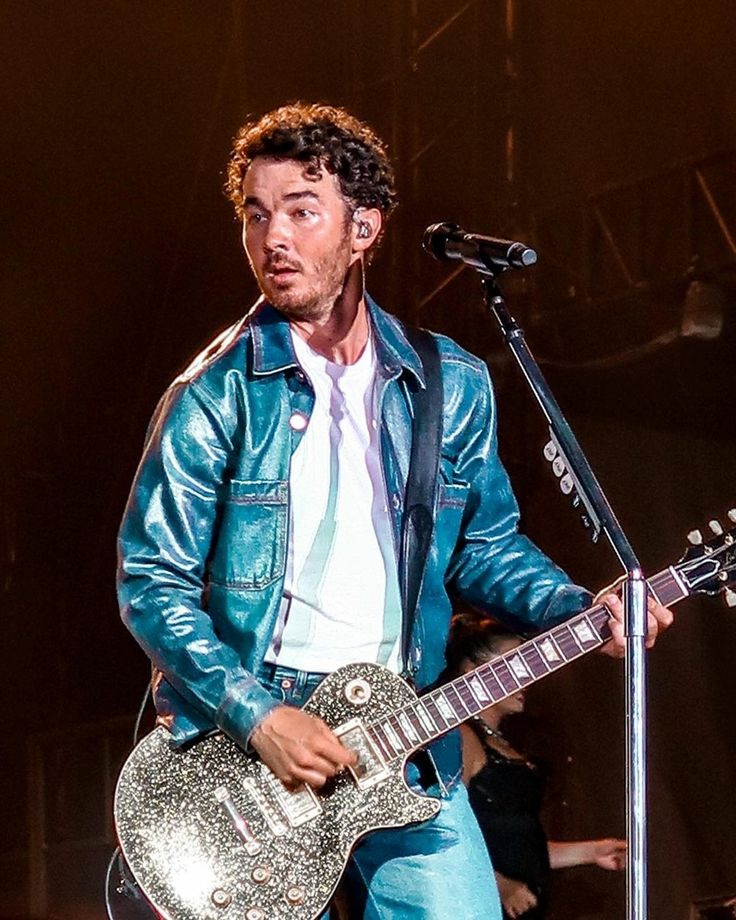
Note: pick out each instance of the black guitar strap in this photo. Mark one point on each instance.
(421, 486)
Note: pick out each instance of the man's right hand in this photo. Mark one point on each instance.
(300, 748)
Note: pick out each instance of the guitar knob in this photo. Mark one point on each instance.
(715, 526)
(296, 894)
(732, 515)
(730, 596)
(260, 875)
(221, 898)
(695, 537)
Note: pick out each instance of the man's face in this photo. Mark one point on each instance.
(297, 233)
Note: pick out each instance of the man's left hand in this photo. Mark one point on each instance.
(659, 618)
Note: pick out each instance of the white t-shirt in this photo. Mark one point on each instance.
(341, 594)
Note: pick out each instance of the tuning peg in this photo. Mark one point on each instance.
(695, 537)
(558, 466)
(730, 596)
(715, 526)
(550, 451)
(566, 484)
(732, 515)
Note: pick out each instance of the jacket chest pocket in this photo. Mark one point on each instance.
(251, 543)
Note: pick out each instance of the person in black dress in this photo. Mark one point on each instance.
(506, 789)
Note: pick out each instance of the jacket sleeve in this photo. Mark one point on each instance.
(163, 546)
(494, 567)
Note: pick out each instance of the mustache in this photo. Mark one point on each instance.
(276, 264)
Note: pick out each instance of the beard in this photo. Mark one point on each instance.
(311, 293)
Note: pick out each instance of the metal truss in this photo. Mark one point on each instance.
(446, 99)
(648, 237)
(643, 238)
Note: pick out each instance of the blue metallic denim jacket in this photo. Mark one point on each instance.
(203, 543)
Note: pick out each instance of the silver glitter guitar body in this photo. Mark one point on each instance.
(209, 833)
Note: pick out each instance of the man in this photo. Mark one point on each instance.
(258, 549)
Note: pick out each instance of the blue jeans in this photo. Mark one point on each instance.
(437, 870)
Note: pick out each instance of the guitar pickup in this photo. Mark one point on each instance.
(371, 768)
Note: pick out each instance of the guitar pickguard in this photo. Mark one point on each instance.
(210, 834)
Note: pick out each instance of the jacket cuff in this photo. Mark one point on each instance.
(245, 705)
(566, 602)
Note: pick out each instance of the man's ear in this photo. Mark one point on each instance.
(367, 225)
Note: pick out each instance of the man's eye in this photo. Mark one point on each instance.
(303, 213)
(255, 218)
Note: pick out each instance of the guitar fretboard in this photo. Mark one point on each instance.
(444, 708)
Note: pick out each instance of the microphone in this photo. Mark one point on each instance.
(486, 253)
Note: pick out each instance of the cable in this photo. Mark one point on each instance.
(141, 710)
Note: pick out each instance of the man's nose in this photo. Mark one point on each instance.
(278, 233)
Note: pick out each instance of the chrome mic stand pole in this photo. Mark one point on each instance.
(599, 516)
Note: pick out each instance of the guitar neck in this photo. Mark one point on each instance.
(444, 708)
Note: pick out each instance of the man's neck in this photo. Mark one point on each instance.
(342, 334)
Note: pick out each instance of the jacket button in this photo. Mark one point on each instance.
(396, 501)
(298, 421)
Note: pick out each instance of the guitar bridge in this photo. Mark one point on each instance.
(299, 805)
(371, 768)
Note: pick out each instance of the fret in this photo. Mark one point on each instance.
(434, 711)
(491, 682)
(478, 689)
(391, 750)
(393, 738)
(670, 586)
(535, 659)
(552, 653)
(421, 729)
(504, 676)
(445, 709)
(393, 721)
(519, 668)
(426, 719)
(454, 696)
(386, 744)
(566, 642)
(655, 589)
(381, 743)
(599, 617)
(409, 728)
(587, 637)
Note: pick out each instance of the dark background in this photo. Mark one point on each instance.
(603, 133)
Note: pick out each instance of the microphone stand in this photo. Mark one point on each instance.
(599, 516)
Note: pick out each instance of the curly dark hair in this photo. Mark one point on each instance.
(322, 137)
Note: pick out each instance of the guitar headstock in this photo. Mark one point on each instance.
(709, 565)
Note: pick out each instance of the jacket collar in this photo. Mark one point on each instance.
(273, 350)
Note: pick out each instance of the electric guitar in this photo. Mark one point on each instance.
(209, 833)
